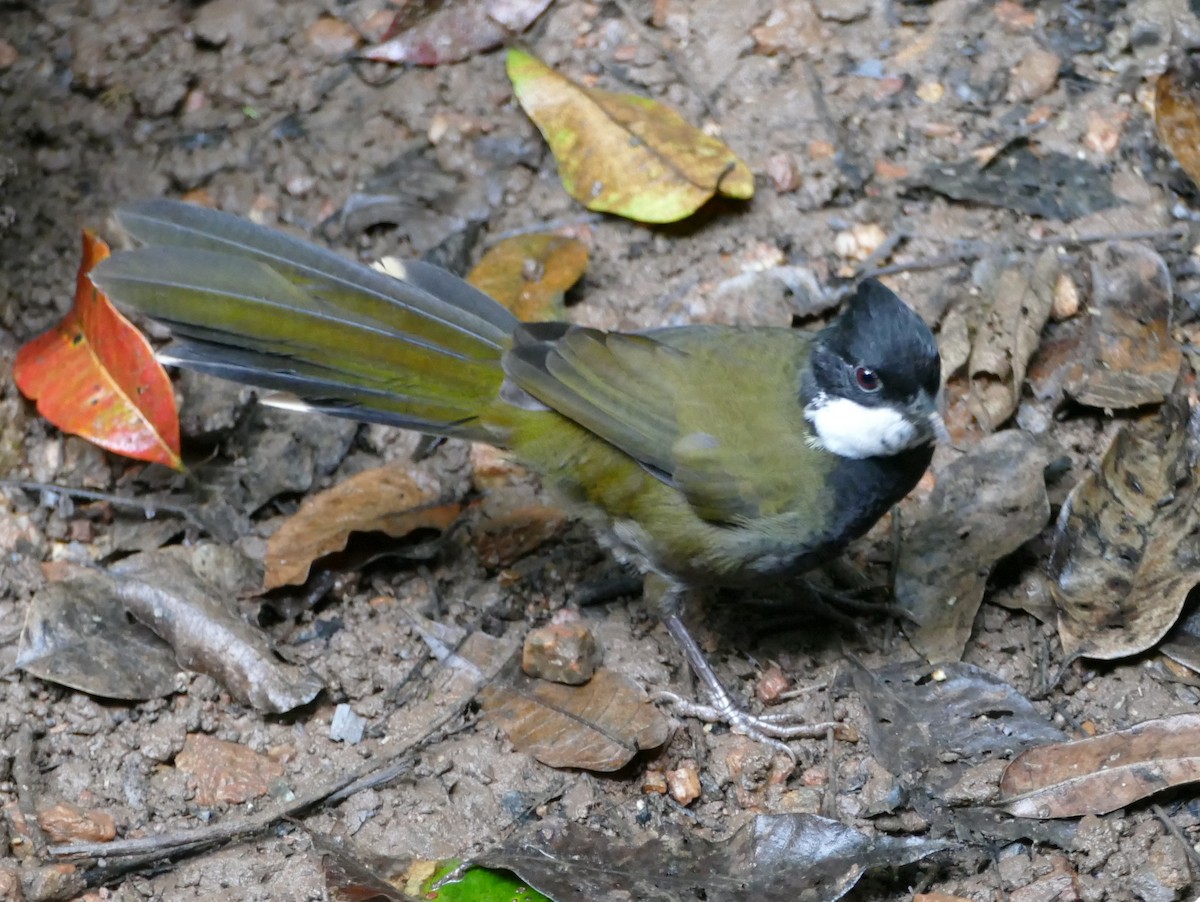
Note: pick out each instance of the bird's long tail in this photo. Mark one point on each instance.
(260, 307)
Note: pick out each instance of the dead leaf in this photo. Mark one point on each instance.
(1129, 358)
(77, 634)
(385, 499)
(964, 712)
(164, 591)
(625, 154)
(95, 375)
(985, 505)
(599, 726)
(529, 274)
(1007, 338)
(1126, 547)
(1021, 176)
(502, 539)
(800, 857)
(1177, 113)
(1103, 773)
(457, 30)
(226, 773)
(126, 633)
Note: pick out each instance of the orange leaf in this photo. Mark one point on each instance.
(94, 375)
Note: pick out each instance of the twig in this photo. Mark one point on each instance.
(1189, 850)
(136, 853)
(26, 783)
(677, 66)
(849, 160)
(150, 507)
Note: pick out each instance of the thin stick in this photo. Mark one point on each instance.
(149, 507)
(144, 850)
(26, 782)
(1193, 857)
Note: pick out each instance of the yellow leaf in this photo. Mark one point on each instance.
(529, 274)
(624, 154)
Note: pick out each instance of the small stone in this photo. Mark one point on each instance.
(8, 56)
(1060, 884)
(843, 11)
(654, 782)
(346, 726)
(889, 171)
(1066, 298)
(221, 21)
(561, 652)
(931, 91)
(783, 172)
(788, 29)
(1036, 74)
(859, 242)
(10, 885)
(1013, 17)
(684, 782)
(332, 38)
(771, 685)
(821, 150)
(1104, 131)
(64, 823)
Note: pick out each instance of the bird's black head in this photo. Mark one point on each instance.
(875, 378)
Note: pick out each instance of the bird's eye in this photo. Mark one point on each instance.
(868, 380)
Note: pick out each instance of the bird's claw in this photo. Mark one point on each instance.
(769, 729)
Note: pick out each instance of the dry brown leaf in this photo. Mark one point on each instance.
(1126, 546)
(168, 592)
(503, 539)
(599, 726)
(385, 499)
(986, 505)
(1129, 358)
(1103, 773)
(1008, 337)
(226, 773)
(1177, 113)
(529, 274)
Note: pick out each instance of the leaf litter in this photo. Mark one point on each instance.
(783, 856)
(1126, 547)
(1100, 774)
(127, 632)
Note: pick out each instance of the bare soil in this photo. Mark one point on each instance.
(103, 102)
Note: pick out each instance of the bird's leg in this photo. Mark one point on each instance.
(770, 729)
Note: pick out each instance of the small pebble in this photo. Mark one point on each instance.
(562, 653)
(684, 782)
(346, 726)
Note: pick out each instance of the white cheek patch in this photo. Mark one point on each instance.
(849, 429)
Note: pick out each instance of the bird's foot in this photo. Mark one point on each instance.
(769, 729)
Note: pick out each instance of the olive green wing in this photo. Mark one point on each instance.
(676, 400)
(616, 385)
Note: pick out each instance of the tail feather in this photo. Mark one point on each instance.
(259, 307)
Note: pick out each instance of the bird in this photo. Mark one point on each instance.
(702, 455)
